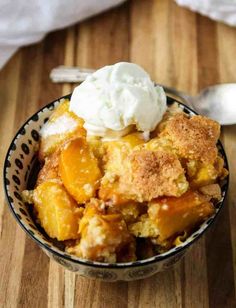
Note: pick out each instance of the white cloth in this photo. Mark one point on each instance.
(220, 10)
(24, 22)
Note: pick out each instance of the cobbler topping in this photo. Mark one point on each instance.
(194, 138)
(157, 174)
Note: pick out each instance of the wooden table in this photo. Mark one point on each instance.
(178, 48)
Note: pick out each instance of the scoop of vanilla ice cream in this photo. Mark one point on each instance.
(116, 97)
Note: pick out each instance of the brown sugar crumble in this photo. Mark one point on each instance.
(157, 174)
(194, 138)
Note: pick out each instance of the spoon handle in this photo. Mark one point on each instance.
(71, 74)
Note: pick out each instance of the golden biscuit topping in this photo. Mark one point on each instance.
(157, 174)
(194, 138)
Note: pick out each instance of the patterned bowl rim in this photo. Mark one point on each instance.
(71, 258)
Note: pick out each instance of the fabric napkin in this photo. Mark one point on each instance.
(220, 10)
(25, 22)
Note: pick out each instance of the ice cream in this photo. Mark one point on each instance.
(117, 97)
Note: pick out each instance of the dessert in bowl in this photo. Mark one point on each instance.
(112, 182)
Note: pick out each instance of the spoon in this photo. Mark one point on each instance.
(217, 102)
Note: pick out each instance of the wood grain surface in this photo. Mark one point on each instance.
(178, 48)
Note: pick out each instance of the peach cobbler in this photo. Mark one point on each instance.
(131, 196)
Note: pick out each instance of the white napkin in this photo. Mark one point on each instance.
(220, 10)
(24, 22)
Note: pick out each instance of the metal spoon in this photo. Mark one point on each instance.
(217, 102)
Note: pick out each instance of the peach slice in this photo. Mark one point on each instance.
(79, 171)
(175, 215)
(57, 212)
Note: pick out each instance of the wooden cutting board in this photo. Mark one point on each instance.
(178, 48)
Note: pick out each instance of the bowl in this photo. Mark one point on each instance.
(20, 170)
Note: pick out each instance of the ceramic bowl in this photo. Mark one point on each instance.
(20, 168)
